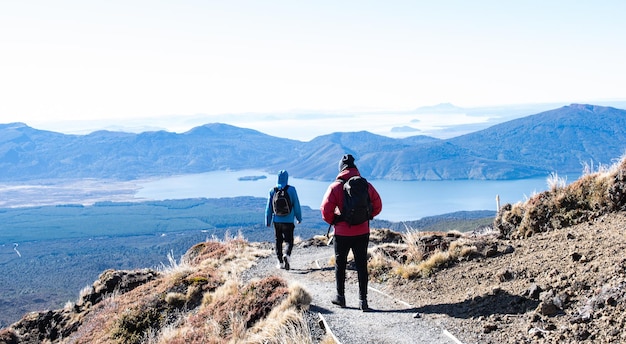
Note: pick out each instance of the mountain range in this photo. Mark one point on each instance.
(560, 140)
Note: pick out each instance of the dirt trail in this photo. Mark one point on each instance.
(390, 321)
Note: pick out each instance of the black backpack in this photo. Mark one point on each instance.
(357, 206)
(281, 201)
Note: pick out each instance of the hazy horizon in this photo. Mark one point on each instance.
(441, 121)
(140, 63)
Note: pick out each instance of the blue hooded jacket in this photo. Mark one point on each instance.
(296, 212)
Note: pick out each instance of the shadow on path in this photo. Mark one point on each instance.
(399, 311)
(500, 303)
(325, 310)
(309, 270)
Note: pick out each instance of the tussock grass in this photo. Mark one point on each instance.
(416, 252)
(197, 298)
(282, 327)
(262, 311)
(177, 268)
(591, 196)
(176, 300)
(420, 254)
(380, 263)
(233, 310)
(194, 298)
(285, 323)
(439, 259)
(555, 182)
(436, 260)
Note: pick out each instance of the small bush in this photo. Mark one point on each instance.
(408, 271)
(176, 300)
(379, 265)
(133, 324)
(435, 261)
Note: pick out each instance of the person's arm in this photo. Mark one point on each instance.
(269, 209)
(329, 205)
(297, 211)
(377, 203)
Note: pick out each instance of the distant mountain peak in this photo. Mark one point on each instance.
(14, 125)
(586, 107)
(440, 108)
(404, 129)
(218, 128)
(555, 140)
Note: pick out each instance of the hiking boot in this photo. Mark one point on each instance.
(363, 306)
(286, 260)
(339, 301)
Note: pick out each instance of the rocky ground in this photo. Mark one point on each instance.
(563, 286)
(390, 319)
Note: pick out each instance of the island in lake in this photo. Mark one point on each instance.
(246, 178)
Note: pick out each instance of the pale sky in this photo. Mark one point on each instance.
(114, 61)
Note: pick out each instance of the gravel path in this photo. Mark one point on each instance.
(390, 321)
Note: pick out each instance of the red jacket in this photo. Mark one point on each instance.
(333, 202)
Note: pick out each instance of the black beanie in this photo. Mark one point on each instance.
(346, 161)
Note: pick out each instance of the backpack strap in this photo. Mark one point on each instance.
(284, 188)
(337, 217)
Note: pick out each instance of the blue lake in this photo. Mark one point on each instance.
(402, 200)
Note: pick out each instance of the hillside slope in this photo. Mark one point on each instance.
(583, 132)
(539, 279)
(563, 286)
(560, 140)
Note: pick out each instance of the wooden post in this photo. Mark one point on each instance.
(497, 204)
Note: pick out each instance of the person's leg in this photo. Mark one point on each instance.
(359, 249)
(288, 236)
(341, 245)
(287, 230)
(278, 234)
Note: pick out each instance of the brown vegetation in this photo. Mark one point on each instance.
(591, 196)
(197, 300)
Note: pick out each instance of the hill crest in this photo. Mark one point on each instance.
(559, 140)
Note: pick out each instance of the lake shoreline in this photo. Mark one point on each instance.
(402, 200)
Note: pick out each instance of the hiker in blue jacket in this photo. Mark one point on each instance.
(282, 210)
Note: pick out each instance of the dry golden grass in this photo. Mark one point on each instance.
(419, 254)
(436, 260)
(415, 252)
(285, 323)
(282, 327)
(200, 299)
(591, 196)
(233, 311)
(380, 264)
(197, 299)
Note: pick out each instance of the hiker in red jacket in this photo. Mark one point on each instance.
(348, 236)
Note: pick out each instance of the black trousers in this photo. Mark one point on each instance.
(358, 245)
(284, 233)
